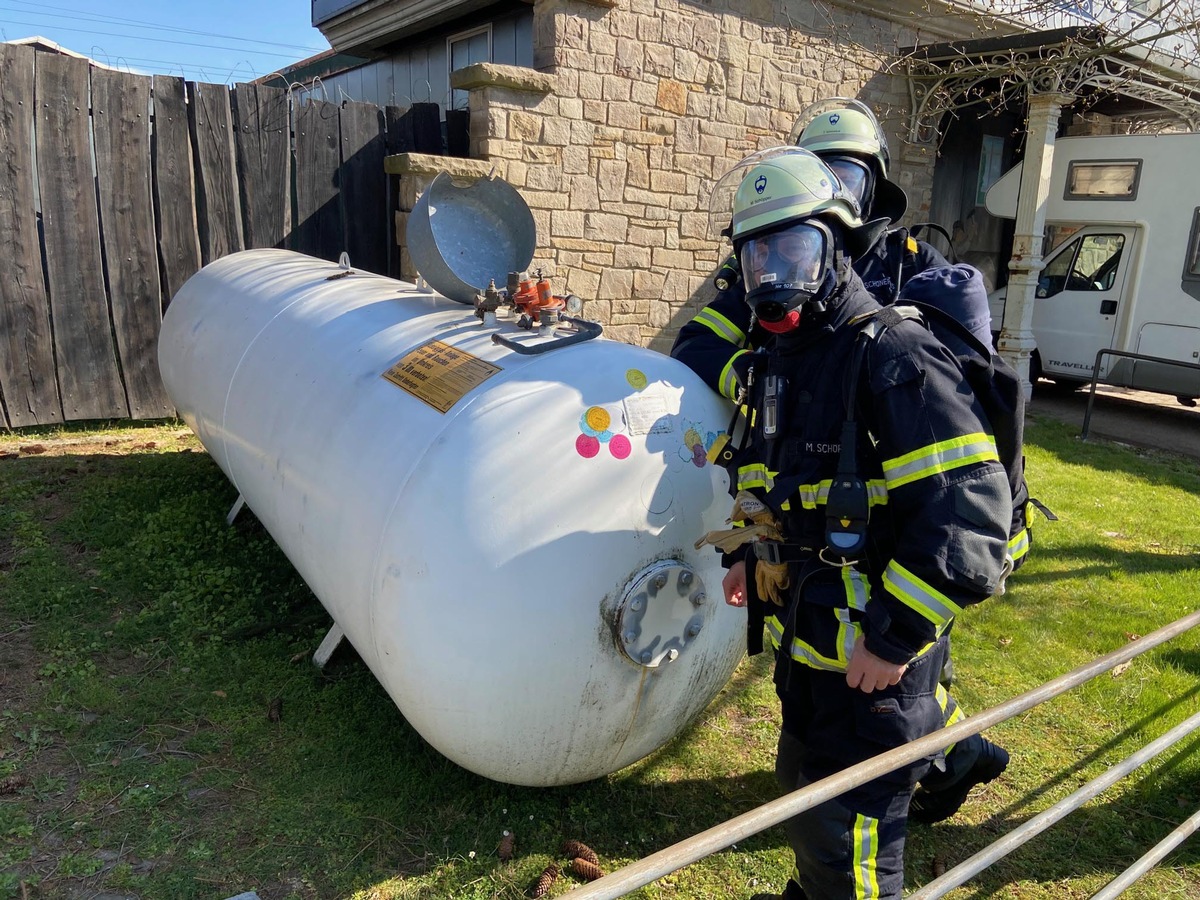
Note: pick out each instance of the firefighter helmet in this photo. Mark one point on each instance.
(790, 215)
(846, 134)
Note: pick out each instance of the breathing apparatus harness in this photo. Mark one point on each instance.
(762, 404)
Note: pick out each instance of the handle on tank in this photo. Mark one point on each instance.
(588, 330)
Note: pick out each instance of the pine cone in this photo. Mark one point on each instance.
(505, 847)
(544, 881)
(586, 869)
(578, 849)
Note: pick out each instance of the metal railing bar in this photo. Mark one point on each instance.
(969, 868)
(1123, 354)
(1125, 880)
(664, 862)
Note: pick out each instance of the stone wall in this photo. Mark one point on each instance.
(635, 109)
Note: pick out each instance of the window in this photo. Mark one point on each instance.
(991, 162)
(1087, 264)
(1193, 257)
(466, 49)
(1103, 179)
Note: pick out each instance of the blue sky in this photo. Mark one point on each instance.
(221, 41)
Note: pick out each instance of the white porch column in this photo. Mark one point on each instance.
(1016, 337)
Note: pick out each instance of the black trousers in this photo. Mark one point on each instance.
(852, 847)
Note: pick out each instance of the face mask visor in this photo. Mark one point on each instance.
(855, 176)
(784, 269)
(721, 200)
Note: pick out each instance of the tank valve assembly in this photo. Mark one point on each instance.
(487, 304)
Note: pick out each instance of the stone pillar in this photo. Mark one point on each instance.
(1016, 337)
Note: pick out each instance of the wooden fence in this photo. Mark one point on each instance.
(115, 188)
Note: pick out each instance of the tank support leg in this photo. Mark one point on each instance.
(332, 639)
(235, 509)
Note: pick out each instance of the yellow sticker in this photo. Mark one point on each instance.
(718, 445)
(439, 374)
(598, 418)
(636, 379)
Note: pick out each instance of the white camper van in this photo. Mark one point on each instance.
(1123, 268)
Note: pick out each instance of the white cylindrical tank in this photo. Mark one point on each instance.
(506, 539)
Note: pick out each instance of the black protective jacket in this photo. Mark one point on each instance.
(940, 500)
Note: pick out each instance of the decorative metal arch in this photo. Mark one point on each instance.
(954, 76)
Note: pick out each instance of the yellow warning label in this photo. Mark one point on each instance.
(439, 374)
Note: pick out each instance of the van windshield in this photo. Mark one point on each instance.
(1088, 263)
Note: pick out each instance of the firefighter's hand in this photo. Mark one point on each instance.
(734, 584)
(868, 672)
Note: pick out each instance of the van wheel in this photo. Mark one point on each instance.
(1035, 368)
(1044, 383)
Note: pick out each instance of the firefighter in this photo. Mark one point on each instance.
(856, 608)
(719, 343)
(848, 138)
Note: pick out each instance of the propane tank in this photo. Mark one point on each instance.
(537, 624)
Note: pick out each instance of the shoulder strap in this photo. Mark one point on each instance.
(952, 256)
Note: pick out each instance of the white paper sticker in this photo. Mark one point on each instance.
(647, 413)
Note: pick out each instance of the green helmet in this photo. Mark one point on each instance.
(839, 124)
(791, 215)
(847, 135)
(787, 187)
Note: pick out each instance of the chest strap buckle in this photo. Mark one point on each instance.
(777, 552)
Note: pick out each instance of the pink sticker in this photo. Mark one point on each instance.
(587, 446)
(619, 446)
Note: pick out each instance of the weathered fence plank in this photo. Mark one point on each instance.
(121, 125)
(174, 186)
(400, 138)
(319, 230)
(458, 133)
(262, 133)
(27, 386)
(363, 183)
(218, 209)
(427, 128)
(87, 364)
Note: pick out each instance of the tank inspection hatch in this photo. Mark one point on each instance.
(661, 613)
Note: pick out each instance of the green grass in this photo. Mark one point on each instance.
(143, 641)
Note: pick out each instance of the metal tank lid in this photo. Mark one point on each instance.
(462, 237)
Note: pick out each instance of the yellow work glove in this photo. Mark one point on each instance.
(730, 539)
(770, 579)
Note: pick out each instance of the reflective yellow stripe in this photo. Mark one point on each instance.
(721, 326)
(729, 386)
(1018, 545)
(846, 637)
(814, 495)
(951, 711)
(755, 475)
(858, 590)
(918, 595)
(806, 654)
(811, 496)
(944, 456)
(866, 847)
